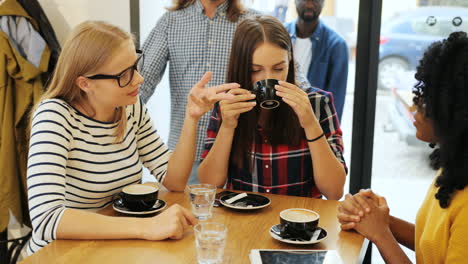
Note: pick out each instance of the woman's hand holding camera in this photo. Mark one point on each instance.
(299, 101)
(232, 108)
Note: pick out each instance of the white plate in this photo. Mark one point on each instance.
(158, 206)
(260, 201)
(322, 236)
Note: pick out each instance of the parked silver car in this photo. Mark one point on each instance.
(405, 37)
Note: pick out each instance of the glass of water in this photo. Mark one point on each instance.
(210, 240)
(202, 198)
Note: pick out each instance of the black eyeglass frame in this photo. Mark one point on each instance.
(117, 77)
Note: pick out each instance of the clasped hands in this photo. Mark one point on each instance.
(367, 213)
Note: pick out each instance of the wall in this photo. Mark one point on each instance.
(65, 14)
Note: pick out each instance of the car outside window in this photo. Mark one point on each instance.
(403, 27)
(442, 28)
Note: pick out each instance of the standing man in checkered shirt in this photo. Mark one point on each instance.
(195, 37)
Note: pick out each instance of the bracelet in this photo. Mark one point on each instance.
(315, 139)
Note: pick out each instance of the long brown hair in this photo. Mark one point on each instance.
(89, 46)
(234, 10)
(283, 125)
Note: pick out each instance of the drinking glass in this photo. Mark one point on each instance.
(202, 198)
(210, 240)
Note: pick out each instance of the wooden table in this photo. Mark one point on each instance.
(246, 230)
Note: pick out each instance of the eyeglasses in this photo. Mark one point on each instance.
(126, 76)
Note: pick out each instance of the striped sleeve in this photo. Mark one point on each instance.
(48, 153)
(324, 109)
(154, 154)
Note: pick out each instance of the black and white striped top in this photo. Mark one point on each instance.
(74, 163)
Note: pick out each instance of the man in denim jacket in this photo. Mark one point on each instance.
(321, 52)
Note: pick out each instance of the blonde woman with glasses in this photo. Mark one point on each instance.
(91, 136)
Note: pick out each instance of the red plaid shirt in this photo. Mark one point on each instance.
(283, 169)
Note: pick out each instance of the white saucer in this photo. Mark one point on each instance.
(158, 206)
(322, 236)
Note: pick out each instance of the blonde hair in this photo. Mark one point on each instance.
(89, 46)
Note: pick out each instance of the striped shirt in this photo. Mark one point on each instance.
(74, 163)
(283, 169)
(193, 44)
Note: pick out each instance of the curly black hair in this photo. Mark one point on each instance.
(442, 93)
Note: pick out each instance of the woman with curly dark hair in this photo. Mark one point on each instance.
(441, 118)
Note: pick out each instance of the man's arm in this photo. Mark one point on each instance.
(338, 75)
(156, 52)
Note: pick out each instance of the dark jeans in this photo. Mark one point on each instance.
(193, 179)
(4, 246)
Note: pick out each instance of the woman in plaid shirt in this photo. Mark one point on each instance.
(295, 149)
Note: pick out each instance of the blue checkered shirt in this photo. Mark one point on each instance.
(193, 44)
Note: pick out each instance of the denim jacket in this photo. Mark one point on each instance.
(329, 66)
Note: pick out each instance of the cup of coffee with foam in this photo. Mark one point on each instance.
(139, 197)
(298, 223)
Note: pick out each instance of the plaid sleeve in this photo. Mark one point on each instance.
(324, 109)
(212, 131)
